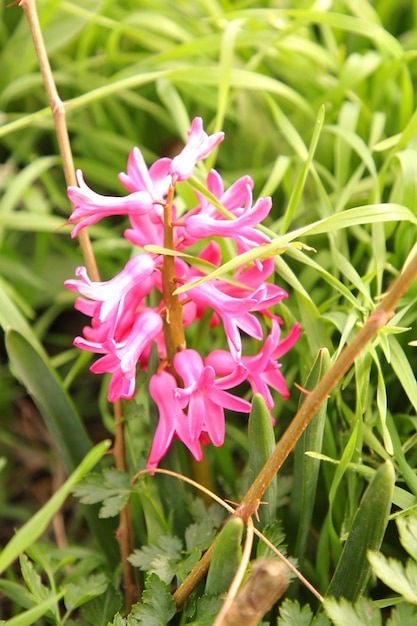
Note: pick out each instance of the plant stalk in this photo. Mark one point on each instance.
(59, 116)
(173, 323)
(124, 532)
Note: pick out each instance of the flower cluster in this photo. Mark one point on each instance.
(191, 391)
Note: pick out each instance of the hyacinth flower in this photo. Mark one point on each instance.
(90, 207)
(262, 370)
(191, 389)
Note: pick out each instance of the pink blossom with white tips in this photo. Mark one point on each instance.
(198, 147)
(126, 312)
(90, 207)
(120, 358)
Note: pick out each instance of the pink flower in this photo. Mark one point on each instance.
(173, 422)
(235, 311)
(147, 227)
(91, 207)
(204, 396)
(120, 358)
(240, 229)
(238, 195)
(156, 181)
(261, 370)
(116, 299)
(198, 146)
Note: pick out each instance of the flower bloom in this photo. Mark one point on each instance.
(204, 396)
(261, 370)
(120, 358)
(173, 422)
(198, 147)
(128, 313)
(90, 207)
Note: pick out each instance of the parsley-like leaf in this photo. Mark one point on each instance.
(157, 606)
(161, 559)
(111, 488)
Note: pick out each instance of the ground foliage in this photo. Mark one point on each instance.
(317, 103)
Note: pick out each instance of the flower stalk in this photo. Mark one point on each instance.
(173, 323)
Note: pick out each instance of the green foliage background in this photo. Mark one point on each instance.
(317, 100)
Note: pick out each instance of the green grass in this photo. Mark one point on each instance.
(318, 107)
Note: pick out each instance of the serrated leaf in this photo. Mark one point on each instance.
(112, 488)
(184, 567)
(208, 607)
(104, 607)
(407, 529)
(161, 559)
(157, 606)
(32, 579)
(200, 535)
(275, 533)
(343, 613)
(124, 621)
(400, 578)
(88, 588)
(292, 614)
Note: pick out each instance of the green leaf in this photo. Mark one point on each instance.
(32, 580)
(368, 214)
(275, 534)
(161, 559)
(200, 535)
(306, 468)
(29, 532)
(261, 441)
(207, 609)
(367, 532)
(157, 605)
(307, 157)
(88, 588)
(42, 382)
(407, 528)
(103, 608)
(292, 614)
(16, 593)
(400, 578)
(112, 488)
(342, 613)
(32, 615)
(226, 556)
(402, 615)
